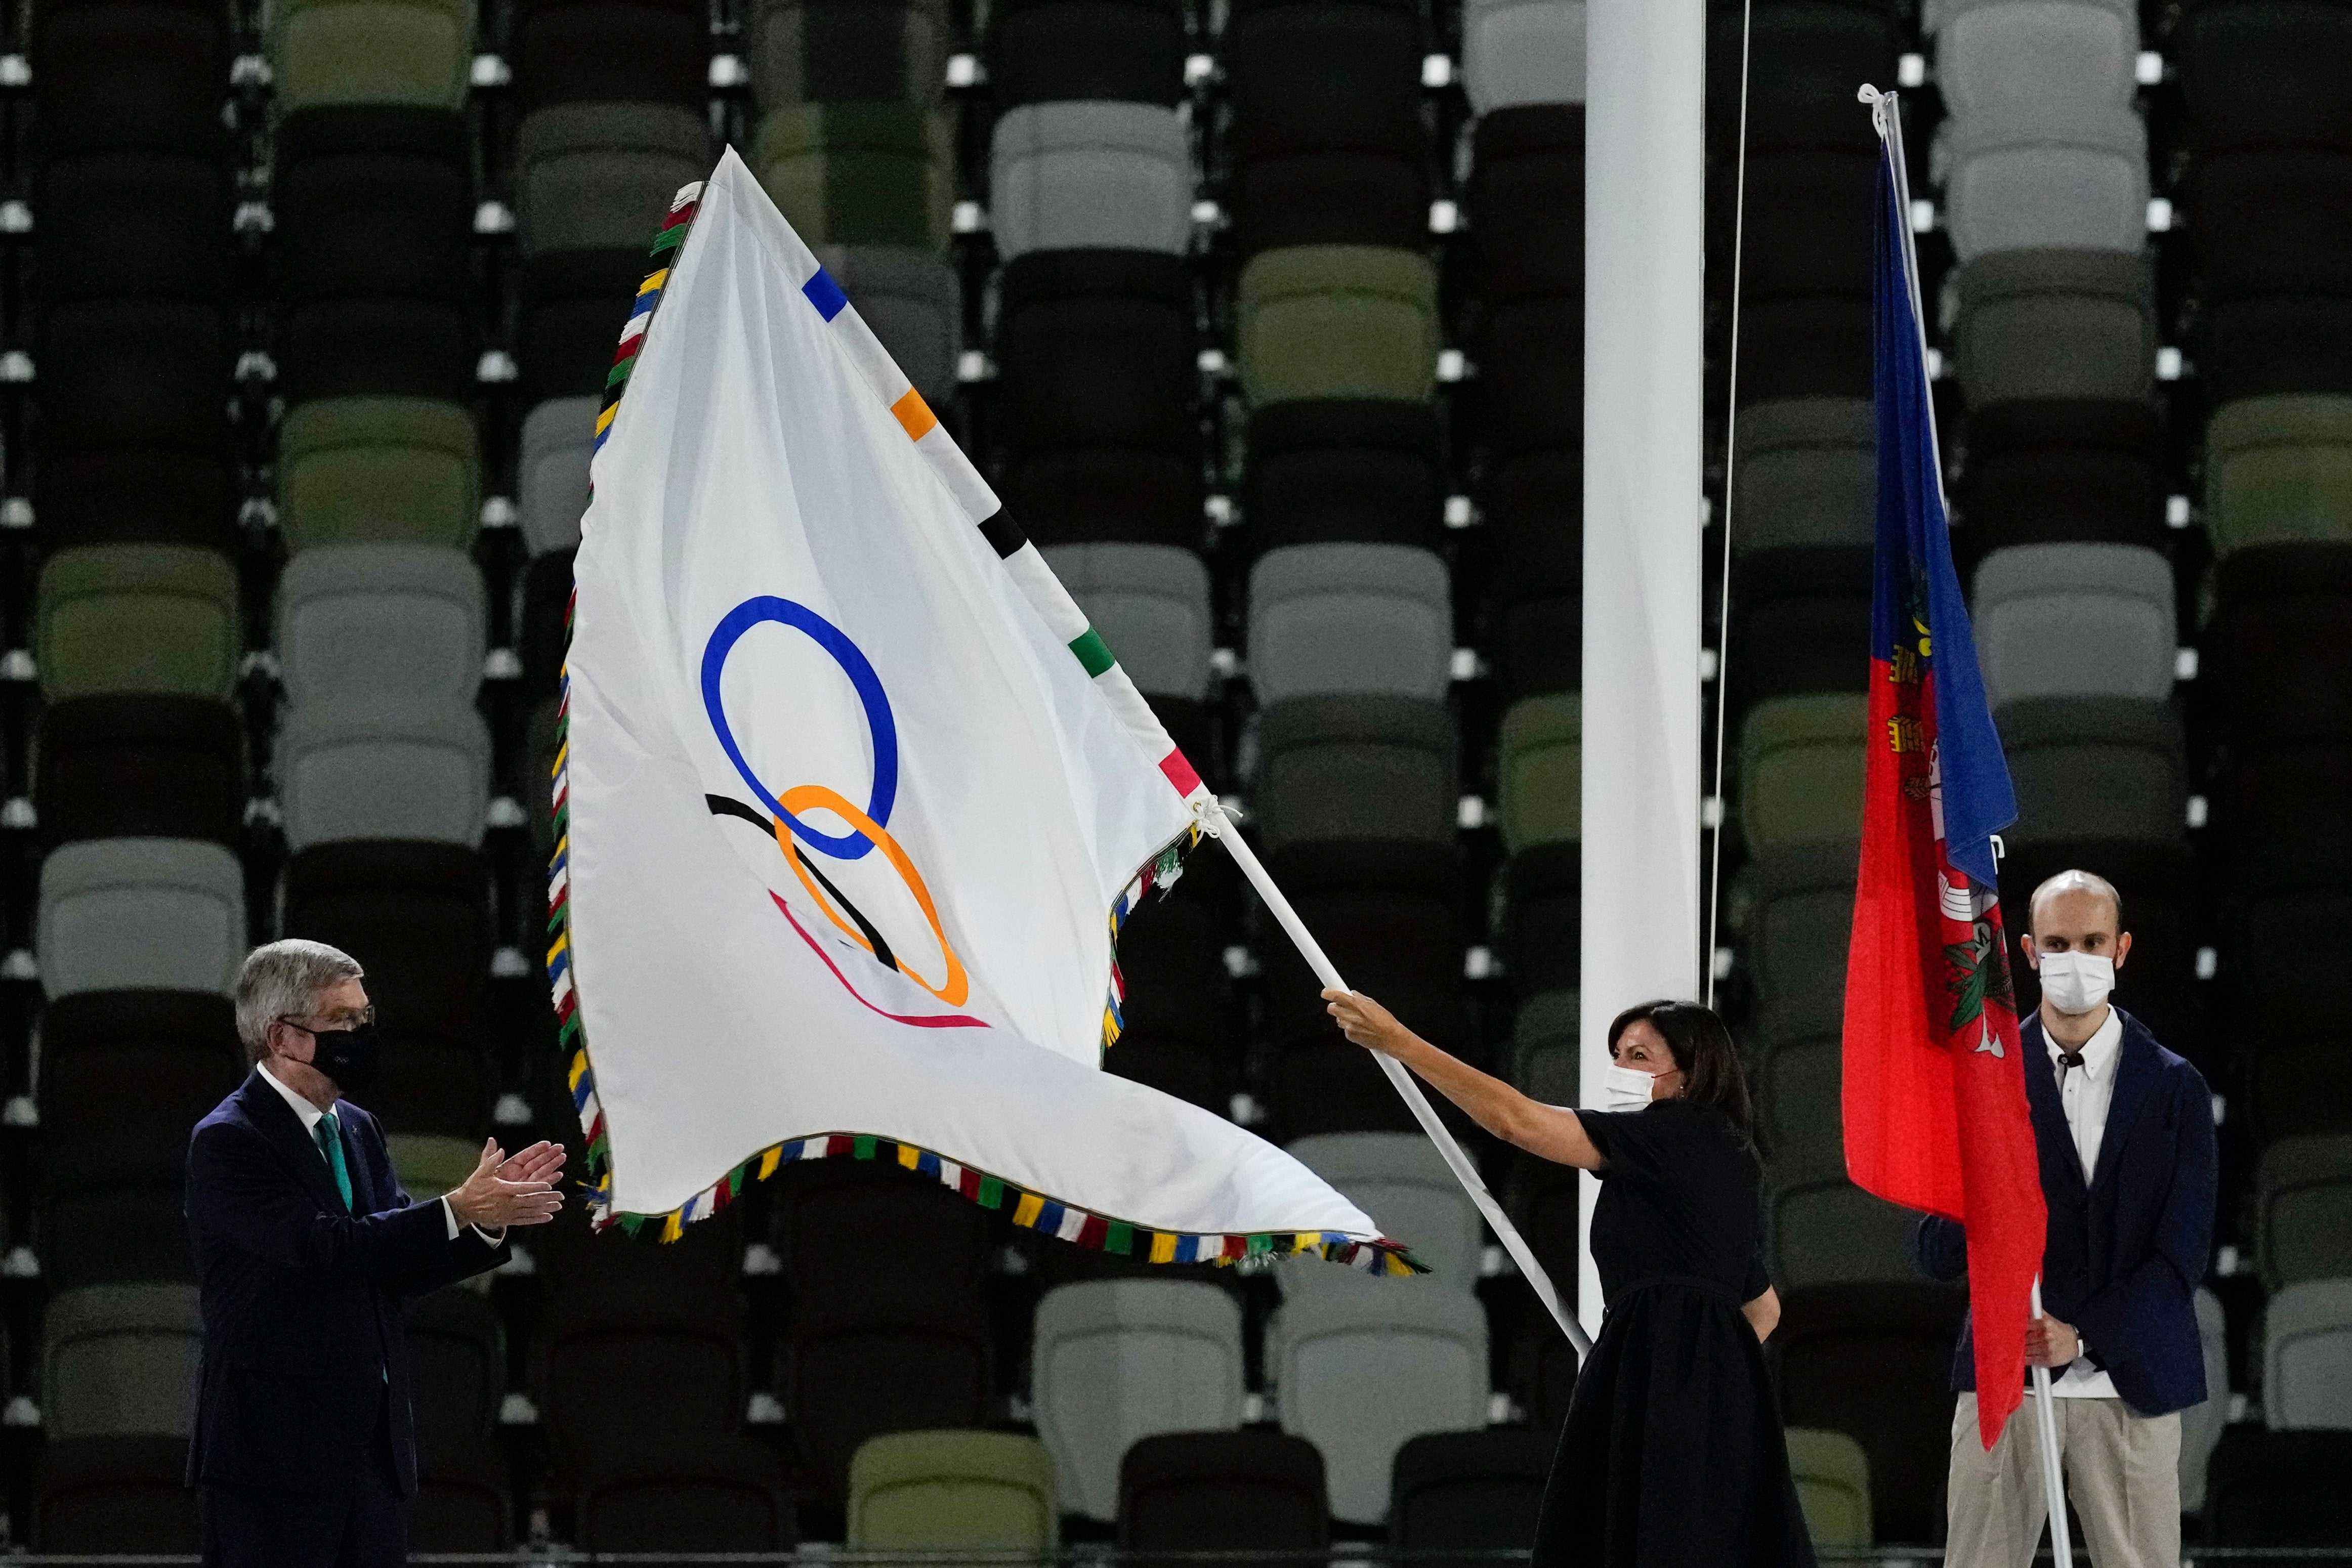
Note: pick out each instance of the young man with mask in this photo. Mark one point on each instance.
(306, 1248)
(2125, 1132)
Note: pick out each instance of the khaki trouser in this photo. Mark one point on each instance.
(2122, 1472)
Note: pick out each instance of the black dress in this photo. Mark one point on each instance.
(1672, 1454)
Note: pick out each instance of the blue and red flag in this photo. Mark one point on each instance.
(1935, 1105)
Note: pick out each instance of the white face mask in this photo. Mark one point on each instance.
(1625, 1088)
(2077, 982)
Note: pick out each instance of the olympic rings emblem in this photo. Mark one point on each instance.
(868, 829)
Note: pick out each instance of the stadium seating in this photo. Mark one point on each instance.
(1469, 1491)
(948, 1490)
(1833, 1476)
(1223, 1492)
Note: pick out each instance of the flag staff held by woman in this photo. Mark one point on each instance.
(1672, 1454)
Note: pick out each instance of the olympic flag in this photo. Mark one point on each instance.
(851, 800)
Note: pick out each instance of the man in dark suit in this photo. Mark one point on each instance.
(306, 1249)
(2125, 1132)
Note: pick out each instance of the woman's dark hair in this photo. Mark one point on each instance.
(1702, 1048)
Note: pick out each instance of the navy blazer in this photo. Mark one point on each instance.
(2124, 1253)
(301, 1296)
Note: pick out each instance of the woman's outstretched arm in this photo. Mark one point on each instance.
(1548, 1131)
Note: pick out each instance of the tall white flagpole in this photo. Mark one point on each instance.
(1219, 826)
(2045, 1413)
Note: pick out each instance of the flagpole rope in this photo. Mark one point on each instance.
(1730, 488)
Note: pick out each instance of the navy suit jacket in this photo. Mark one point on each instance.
(2125, 1251)
(301, 1296)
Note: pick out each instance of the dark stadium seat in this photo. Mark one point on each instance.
(1799, 910)
(2273, 343)
(2042, 471)
(1902, 1412)
(2273, 895)
(2293, 1061)
(1543, 902)
(1043, 51)
(689, 1494)
(111, 1210)
(110, 1494)
(1804, 58)
(601, 176)
(1366, 471)
(1800, 622)
(610, 51)
(1526, 199)
(545, 632)
(149, 223)
(1816, 345)
(156, 767)
(2280, 1489)
(2274, 605)
(1542, 1202)
(457, 1360)
(179, 1046)
(1178, 1030)
(888, 1328)
(1469, 1491)
(1094, 419)
(141, 75)
(2264, 226)
(573, 306)
(1223, 1492)
(416, 915)
(1529, 551)
(2262, 74)
(1528, 394)
(159, 368)
(849, 51)
(1810, 216)
(2283, 797)
(1326, 139)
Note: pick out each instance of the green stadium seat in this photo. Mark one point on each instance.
(1800, 762)
(2055, 324)
(1539, 761)
(2302, 1210)
(1545, 1061)
(953, 1491)
(379, 470)
(1828, 1231)
(119, 1360)
(412, 53)
(859, 173)
(1355, 770)
(2095, 767)
(1832, 1476)
(1336, 321)
(1808, 475)
(2279, 470)
(137, 618)
(600, 176)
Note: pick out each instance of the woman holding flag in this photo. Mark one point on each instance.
(1673, 1453)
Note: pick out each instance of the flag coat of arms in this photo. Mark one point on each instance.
(1934, 1095)
(851, 800)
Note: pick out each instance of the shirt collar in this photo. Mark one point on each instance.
(2099, 1052)
(310, 1115)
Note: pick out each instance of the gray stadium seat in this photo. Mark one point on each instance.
(1114, 1361)
(1796, 914)
(2095, 767)
(2201, 1424)
(388, 623)
(1808, 475)
(1355, 768)
(119, 1361)
(1090, 175)
(849, 51)
(1150, 604)
(1358, 1372)
(2055, 324)
(1828, 1231)
(600, 176)
(1400, 1179)
(2075, 620)
(1800, 1083)
(1522, 51)
(2050, 178)
(558, 436)
(1546, 1063)
(1994, 55)
(383, 770)
(1326, 620)
(2307, 1356)
(913, 302)
(163, 914)
(2303, 1208)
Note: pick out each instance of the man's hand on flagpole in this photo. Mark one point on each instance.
(2051, 1342)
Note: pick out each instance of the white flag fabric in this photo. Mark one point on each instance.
(851, 801)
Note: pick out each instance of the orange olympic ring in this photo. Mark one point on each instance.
(957, 986)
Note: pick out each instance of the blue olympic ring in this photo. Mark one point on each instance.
(846, 846)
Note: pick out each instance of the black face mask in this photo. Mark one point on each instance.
(349, 1056)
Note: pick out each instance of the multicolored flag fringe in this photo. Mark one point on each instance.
(851, 801)
(1935, 1104)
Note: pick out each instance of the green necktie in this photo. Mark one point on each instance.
(329, 1135)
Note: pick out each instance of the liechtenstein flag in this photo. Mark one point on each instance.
(1934, 1104)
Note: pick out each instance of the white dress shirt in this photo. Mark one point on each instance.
(2086, 1091)
(311, 1116)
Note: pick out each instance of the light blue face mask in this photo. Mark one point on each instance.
(1625, 1088)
